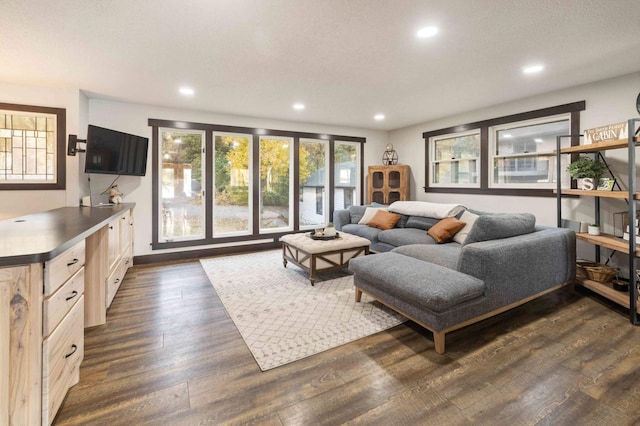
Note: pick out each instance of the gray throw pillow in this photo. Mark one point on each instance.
(421, 222)
(500, 225)
(356, 213)
(402, 223)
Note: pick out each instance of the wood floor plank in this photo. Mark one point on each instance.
(618, 385)
(581, 409)
(169, 354)
(525, 399)
(418, 406)
(144, 408)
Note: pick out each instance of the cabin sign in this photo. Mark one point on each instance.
(612, 132)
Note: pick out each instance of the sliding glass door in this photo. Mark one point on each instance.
(347, 174)
(314, 180)
(182, 198)
(232, 184)
(275, 208)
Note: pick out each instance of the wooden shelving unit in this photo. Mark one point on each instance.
(607, 240)
(629, 247)
(602, 194)
(607, 290)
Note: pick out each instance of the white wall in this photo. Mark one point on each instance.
(133, 118)
(607, 102)
(18, 203)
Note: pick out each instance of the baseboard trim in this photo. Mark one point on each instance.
(198, 253)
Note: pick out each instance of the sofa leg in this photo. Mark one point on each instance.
(358, 294)
(438, 339)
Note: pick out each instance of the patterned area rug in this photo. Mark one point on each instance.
(281, 317)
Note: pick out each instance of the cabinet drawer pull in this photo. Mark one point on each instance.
(73, 262)
(73, 294)
(73, 351)
(116, 281)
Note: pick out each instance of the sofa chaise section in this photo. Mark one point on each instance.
(444, 287)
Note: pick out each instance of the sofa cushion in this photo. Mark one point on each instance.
(403, 236)
(421, 222)
(469, 219)
(444, 230)
(500, 225)
(446, 255)
(363, 231)
(384, 220)
(422, 284)
(356, 213)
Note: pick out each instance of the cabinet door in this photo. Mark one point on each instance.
(394, 179)
(377, 197)
(377, 180)
(125, 233)
(394, 196)
(114, 241)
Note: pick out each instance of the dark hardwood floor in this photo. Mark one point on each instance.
(170, 355)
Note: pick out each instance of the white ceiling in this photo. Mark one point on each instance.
(346, 60)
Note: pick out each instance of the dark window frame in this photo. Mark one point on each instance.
(61, 135)
(209, 129)
(573, 109)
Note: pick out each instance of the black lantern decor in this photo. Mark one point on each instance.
(389, 156)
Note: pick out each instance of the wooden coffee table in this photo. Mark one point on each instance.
(315, 256)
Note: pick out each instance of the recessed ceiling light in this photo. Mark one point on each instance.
(538, 140)
(299, 106)
(186, 91)
(378, 117)
(532, 69)
(427, 32)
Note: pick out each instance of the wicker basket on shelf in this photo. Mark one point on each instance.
(596, 271)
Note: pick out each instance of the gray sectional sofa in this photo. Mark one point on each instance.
(504, 260)
(408, 230)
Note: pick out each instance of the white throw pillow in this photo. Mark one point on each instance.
(369, 213)
(468, 218)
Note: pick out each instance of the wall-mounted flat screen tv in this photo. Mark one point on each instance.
(115, 153)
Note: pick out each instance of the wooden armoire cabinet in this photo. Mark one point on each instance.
(387, 184)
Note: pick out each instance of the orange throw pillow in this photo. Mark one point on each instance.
(445, 229)
(384, 220)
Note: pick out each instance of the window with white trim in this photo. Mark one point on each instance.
(510, 155)
(456, 159)
(522, 153)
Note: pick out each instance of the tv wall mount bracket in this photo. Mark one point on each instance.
(76, 145)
